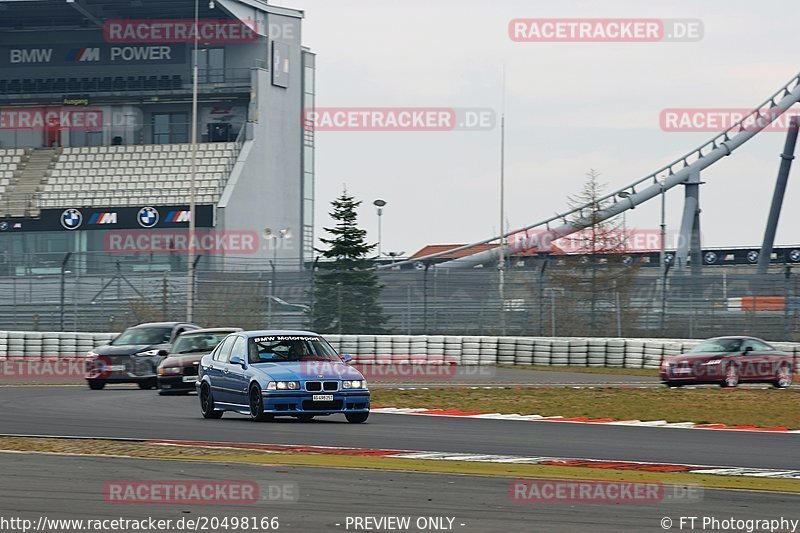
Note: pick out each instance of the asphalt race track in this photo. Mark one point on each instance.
(132, 413)
(73, 488)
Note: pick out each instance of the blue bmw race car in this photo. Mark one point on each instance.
(280, 373)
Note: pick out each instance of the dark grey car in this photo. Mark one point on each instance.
(134, 355)
(177, 373)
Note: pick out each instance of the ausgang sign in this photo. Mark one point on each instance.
(95, 54)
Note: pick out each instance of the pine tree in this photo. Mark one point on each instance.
(602, 246)
(346, 287)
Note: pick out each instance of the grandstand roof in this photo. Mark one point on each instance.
(28, 14)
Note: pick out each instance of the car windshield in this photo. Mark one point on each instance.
(146, 335)
(717, 345)
(280, 348)
(198, 342)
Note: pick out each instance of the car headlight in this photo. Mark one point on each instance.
(148, 353)
(169, 370)
(92, 353)
(283, 385)
(354, 384)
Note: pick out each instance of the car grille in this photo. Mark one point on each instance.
(317, 386)
(190, 371)
(309, 405)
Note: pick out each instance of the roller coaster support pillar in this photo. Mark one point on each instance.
(777, 198)
(689, 242)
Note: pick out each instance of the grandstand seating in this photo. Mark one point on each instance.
(110, 176)
(10, 159)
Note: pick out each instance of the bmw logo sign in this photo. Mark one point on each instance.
(710, 258)
(3, 225)
(794, 255)
(147, 217)
(71, 219)
(752, 256)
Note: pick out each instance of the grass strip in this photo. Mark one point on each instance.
(737, 407)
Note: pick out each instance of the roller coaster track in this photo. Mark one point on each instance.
(638, 192)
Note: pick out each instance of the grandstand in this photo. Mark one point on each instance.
(92, 126)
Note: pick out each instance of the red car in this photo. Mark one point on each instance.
(729, 361)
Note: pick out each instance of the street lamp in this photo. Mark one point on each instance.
(379, 205)
(273, 238)
(394, 255)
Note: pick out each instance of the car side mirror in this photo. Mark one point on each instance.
(235, 360)
(163, 353)
(346, 358)
(748, 349)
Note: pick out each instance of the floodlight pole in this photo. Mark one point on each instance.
(787, 157)
(192, 206)
(501, 248)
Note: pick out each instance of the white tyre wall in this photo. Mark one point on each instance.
(383, 349)
(16, 344)
(653, 353)
(401, 349)
(560, 352)
(506, 350)
(634, 353)
(488, 355)
(542, 351)
(418, 349)
(524, 355)
(597, 352)
(615, 353)
(578, 352)
(452, 350)
(365, 353)
(470, 350)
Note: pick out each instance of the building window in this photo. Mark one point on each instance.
(211, 65)
(170, 128)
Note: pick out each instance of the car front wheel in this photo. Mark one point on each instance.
(96, 384)
(207, 403)
(357, 418)
(257, 405)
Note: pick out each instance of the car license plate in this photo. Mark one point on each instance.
(322, 397)
(117, 368)
(189, 379)
(682, 370)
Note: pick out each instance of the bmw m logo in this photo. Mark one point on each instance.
(71, 219)
(179, 216)
(147, 217)
(103, 218)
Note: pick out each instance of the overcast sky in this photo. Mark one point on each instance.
(569, 107)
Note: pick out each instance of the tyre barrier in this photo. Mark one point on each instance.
(419, 349)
